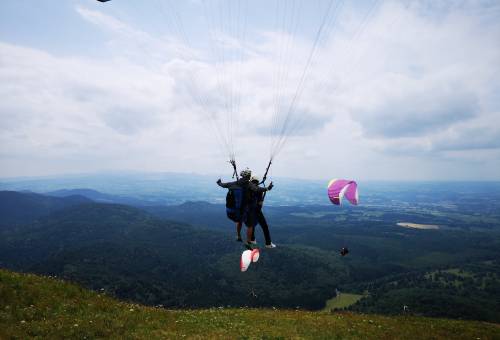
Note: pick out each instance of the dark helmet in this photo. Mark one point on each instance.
(246, 173)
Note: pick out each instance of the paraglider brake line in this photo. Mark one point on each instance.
(265, 177)
(235, 173)
(267, 170)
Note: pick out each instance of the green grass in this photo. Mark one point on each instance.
(342, 301)
(458, 272)
(45, 308)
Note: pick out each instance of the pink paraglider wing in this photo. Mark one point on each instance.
(352, 193)
(246, 259)
(255, 255)
(337, 188)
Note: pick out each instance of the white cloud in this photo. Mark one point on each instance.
(415, 87)
(417, 84)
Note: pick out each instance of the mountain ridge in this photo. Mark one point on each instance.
(25, 207)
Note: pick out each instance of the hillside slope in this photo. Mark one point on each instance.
(33, 306)
(98, 196)
(137, 257)
(22, 207)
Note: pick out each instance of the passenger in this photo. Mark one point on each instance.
(257, 202)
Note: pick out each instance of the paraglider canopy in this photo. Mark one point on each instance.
(247, 258)
(339, 188)
(103, 0)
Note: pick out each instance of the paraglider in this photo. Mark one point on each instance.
(344, 251)
(340, 188)
(225, 53)
(239, 207)
(337, 190)
(247, 257)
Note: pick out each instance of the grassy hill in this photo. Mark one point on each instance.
(34, 306)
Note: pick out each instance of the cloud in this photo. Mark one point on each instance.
(136, 44)
(419, 84)
(417, 111)
(424, 78)
(479, 134)
(105, 21)
(55, 96)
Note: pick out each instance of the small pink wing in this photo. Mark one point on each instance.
(246, 260)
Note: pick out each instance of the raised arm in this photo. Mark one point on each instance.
(226, 185)
(256, 188)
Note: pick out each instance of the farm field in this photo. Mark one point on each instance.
(343, 300)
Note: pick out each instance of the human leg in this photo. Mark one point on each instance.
(249, 234)
(238, 231)
(250, 222)
(265, 228)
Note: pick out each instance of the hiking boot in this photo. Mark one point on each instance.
(254, 242)
(270, 245)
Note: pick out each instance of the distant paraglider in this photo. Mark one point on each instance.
(344, 251)
(247, 258)
(337, 190)
(340, 188)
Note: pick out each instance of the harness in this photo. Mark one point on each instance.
(239, 198)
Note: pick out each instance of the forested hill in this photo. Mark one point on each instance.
(132, 255)
(141, 254)
(32, 306)
(25, 207)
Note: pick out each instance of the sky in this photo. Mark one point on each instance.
(368, 90)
